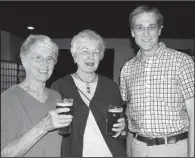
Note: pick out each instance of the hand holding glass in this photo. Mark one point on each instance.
(61, 103)
(114, 113)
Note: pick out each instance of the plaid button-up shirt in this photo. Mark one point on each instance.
(156, 88)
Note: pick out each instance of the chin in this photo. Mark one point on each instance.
(43, 78)
(90, 70)
(146, 47)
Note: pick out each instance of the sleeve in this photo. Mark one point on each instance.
(123, 135)
(124, 94)
(10, 120)
(186, 77)
(123, 86)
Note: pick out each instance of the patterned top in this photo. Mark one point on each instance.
(156, 88)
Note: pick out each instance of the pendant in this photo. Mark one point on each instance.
(88, 90)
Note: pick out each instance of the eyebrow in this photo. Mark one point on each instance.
(41, 55)
(142, 25)
(83, 49)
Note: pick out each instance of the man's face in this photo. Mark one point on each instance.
(146, 31)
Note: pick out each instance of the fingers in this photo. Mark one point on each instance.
(63, 119)
(121, 120)
(116, 135)
(61, 110)
(119, 127)
(120, 124)
(57, 120)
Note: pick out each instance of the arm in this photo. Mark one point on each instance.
(120, 126)
(20, 146)
(186, 81)
(190, 110)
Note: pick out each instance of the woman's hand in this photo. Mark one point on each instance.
(119, 127)
(55, 120)
(21, 145)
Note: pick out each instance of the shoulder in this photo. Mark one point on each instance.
(128, 64)
(107, 82)
(177, 56)
(11, 92)
(53, 93)
(63, 80)
(105, 79)
(10, 98)
(130, 61)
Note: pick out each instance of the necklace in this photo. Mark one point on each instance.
(88, 88)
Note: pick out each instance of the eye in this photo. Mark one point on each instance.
(139, 28)
(51, 59)
(152, 27)
(37, 57)
(96, 52)
(85, 52)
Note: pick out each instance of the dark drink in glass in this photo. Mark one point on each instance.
(114, 113)
(69, 104)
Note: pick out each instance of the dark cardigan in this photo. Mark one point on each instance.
(107, 92)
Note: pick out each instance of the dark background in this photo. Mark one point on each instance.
(64, 19)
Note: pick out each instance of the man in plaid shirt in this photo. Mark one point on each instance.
(158, 85)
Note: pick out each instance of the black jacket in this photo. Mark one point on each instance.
(107, 92)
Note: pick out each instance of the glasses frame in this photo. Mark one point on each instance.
(150, 28)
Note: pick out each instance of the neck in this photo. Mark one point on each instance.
(150, 53)
(86, 77)
(33, 86)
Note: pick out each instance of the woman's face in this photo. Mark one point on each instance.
(39, 64)
(88, 55)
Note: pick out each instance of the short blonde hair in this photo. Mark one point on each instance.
(89, 34)
(145, 9)
(35, 41)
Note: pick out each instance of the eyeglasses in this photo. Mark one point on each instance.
(40, 59)
(87, 53)
(141, 28)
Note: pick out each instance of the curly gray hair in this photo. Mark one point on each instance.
(36, 41)
(89, 34)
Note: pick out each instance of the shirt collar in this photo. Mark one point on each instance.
(158, 53)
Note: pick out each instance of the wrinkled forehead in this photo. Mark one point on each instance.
(87, 43)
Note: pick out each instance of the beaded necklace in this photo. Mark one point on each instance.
(88, 88)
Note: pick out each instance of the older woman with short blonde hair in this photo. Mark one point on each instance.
(92, 94)
(28, 116)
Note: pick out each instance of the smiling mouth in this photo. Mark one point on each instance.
(90, 64)
(146, 40)
(43, 71)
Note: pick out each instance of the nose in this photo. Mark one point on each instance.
(146, 32)
(91, 55)
(45, 62)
